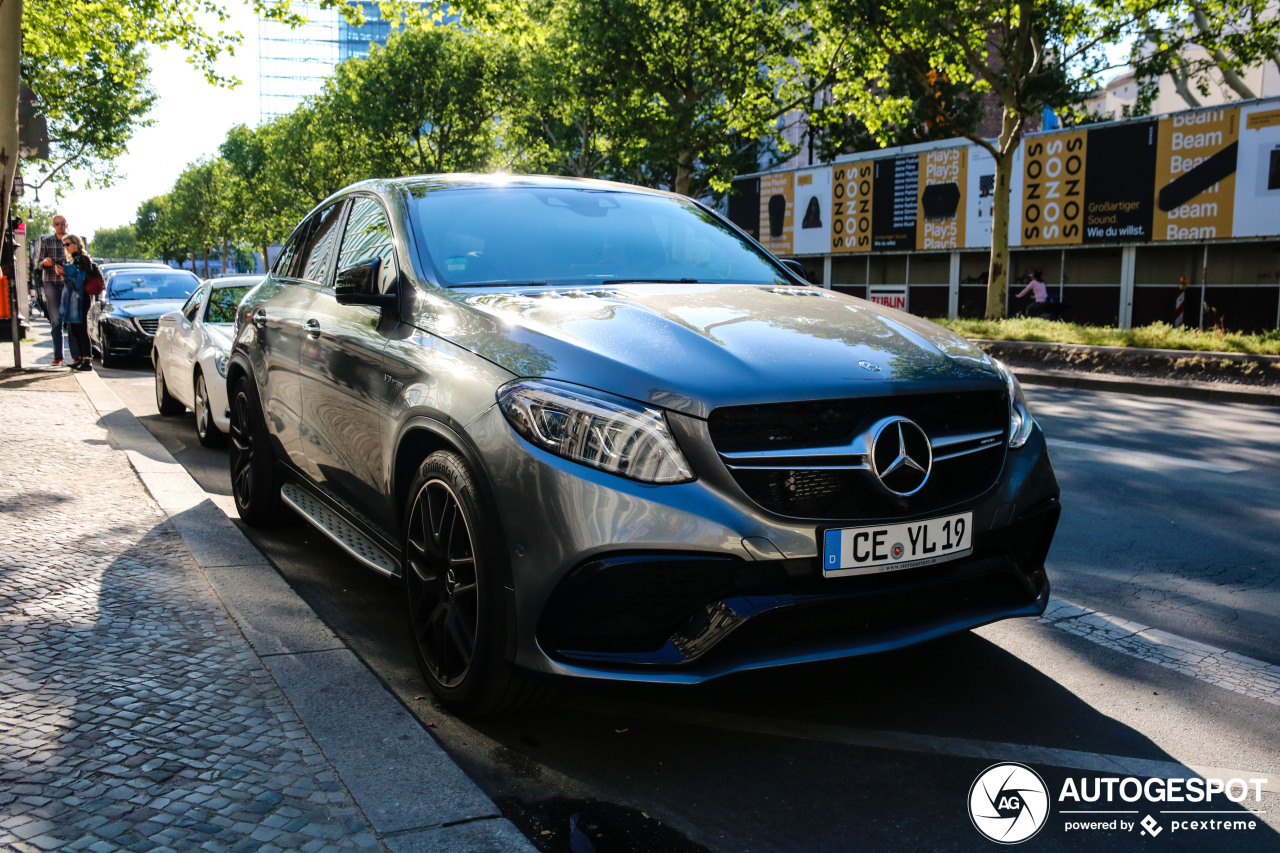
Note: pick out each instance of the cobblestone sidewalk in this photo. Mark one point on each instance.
(133, 714)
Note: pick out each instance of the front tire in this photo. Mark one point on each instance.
(255, 478)
(104, 350)
(453, 588)
(165, 402)
(206, 430)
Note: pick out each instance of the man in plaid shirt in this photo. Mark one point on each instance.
(50, 257)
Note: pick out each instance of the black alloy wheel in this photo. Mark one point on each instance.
(104, 349)
(457, 611)
(255, 479)
(206, 430)
(165, 402)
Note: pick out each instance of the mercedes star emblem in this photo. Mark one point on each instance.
(900, 455)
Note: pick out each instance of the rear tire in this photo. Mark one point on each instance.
(206, 430)
(458, 613)
(165, 402)
(255, 478)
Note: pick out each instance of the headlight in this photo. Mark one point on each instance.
(125, 323)
(611, 434)
(220, 362)
(1020, 421)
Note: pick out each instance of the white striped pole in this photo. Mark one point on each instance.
(1180, 303)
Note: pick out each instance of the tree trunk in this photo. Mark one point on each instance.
(10, 50)
(224, 255)
(206, 261)
(998, 268)
(1229, 76)
(1182, 85)
(684, 172)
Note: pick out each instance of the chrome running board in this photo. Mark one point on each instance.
(339, 530)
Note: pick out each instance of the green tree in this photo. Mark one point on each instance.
(257, 203)
(1027, 53)
(1235, 35)
(116, 243)
(199, 207)
(435, 99)
(156, 232)
(682, 89)
(86, 66)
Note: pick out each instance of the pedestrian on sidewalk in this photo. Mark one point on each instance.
(75, 302)
(51, 257)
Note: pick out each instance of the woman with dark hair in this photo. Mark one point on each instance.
(75, 302)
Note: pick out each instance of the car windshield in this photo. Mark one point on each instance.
(223, 303)
(521, 235)
(136, 284)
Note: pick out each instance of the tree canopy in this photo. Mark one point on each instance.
(682, 94)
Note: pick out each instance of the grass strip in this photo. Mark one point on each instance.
(1154, 336)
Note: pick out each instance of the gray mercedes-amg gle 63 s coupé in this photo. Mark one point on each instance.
(597, 431)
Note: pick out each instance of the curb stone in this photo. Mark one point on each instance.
(1037, 363)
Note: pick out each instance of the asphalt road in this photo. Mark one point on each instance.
(1170, 520)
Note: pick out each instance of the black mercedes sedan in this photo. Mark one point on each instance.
(122, 322)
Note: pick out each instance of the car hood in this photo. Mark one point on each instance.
(144, 307)
(694, 347)
(221, 335)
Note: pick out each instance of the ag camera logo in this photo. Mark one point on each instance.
(1008, 803)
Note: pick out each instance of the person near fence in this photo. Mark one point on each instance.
(74, 308)
(51, 257)
(1038, 291)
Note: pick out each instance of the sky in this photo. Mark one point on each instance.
(191, 120)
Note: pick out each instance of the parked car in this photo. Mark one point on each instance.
(190, 355)
(597, 431)
(123, 320)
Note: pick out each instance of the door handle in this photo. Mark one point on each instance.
(313, 328)
(260, 318)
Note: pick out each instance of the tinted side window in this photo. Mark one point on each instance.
(281, 267)
(368, 236)
(312, 263)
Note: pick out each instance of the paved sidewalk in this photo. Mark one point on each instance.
(161, 687)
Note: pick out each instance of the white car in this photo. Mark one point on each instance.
(190, 355)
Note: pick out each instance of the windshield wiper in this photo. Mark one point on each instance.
(650, 281)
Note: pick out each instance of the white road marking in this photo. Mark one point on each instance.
(1144, 459)
(1228, 670)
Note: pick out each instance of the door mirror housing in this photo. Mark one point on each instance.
(797, 268)
(358, 285)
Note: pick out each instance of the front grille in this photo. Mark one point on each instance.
(787, 458)
(148, 324)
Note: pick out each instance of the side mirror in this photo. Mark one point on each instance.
(797, 268)
(358, 285)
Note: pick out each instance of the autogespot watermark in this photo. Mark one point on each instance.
(1009, 803)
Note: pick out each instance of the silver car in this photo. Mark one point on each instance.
(596, 431)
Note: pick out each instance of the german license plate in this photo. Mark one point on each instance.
(893, 547)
